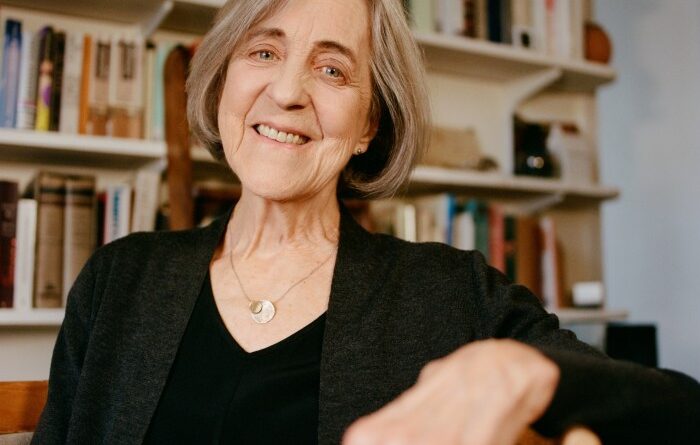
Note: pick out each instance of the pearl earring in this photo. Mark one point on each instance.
(358, 151)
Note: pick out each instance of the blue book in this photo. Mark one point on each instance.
(9, 78)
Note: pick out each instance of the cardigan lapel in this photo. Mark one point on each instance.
(358, 272)
(174, 300)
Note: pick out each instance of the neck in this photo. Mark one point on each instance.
(267, 228)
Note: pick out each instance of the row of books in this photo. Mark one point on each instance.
(51, 229)
(68, 80)
(552, 27)
(524, 247)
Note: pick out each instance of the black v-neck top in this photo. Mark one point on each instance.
(217, 393)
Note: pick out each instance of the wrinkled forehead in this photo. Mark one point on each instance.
(344, 23)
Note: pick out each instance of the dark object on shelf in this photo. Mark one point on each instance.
(597, 43)
(531, 155)
(177, 137)
(632, 342)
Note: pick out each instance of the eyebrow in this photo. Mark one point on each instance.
(323, 44)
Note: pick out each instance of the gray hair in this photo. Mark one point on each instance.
(399, 96)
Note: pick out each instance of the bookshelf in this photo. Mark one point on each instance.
(472, 82)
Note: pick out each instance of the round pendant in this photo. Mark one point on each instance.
(262, 311)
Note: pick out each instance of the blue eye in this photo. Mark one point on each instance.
(332, 72)
(265, 54)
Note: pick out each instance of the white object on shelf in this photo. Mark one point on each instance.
(32, 317)
(588, 293)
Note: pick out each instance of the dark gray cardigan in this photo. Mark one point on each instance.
(393, 307)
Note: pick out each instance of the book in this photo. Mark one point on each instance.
(57, 55)
(24, 260)
(552, 294)
(510, 247)
(434, 215)
(28, 76)
(148, 80)
(79, 227)
(450, 17)
(422, 15)
(85, 78)
(125, 100)
(69, 109)
(50, 192)
(8, 232)
(528, 253)
(157, 119)
(45, 80)
(496, 237)
(146, 200)
(117, 214)
(480, 213)
(9, 77)
(98, 87)
(464, 230)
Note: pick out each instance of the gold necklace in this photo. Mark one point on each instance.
(263, 310)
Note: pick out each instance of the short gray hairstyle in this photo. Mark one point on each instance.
(400, 103)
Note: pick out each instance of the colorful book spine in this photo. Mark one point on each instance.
(45, 80)
(497, 256)
(79, 227)
(9, 82)
(70, 88)
(28, 74)
(26, 246)
(8, 232)
(117, 212)
(50, 193)
(479, 211)
(57, 56)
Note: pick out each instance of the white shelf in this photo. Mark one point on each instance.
(431, 179)
(37, 146)
(580, 315)
(33, 317)
(495, 61)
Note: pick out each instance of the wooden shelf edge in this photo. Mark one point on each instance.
(598, 72)
(475, 180)
(32, 317)
(584, 315)
(82, 143)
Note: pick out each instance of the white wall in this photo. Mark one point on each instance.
(650, 148)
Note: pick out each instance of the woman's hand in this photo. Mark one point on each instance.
(486, 392)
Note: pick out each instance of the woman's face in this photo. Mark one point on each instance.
(296, 99)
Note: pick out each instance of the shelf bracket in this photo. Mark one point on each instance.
(536, 205)
(152, 22)
(526, 86)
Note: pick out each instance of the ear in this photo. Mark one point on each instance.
(370, 130)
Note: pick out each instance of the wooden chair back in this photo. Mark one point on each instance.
(21, 404)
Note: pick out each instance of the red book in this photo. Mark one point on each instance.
(497, 247)
(8, 231)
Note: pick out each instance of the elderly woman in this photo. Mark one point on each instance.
(284, 321)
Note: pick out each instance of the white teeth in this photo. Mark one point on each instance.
(281, 136)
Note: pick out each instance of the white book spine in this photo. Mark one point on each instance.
(145, 200)
(28, 71)
(26, 247)
(562, 28)
(539, 25)
(70, 88)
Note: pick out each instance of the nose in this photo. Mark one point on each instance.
(289, 87)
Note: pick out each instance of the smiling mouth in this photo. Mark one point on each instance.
(280, 136)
